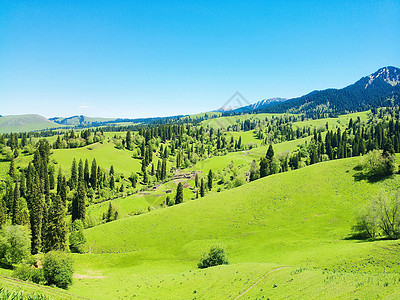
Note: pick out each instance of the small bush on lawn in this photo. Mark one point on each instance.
(57, 269)
(215, 257)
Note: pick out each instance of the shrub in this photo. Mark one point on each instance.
(57, 269)
(15, 244)
(376, 164)
(215, 257)
(29, 273)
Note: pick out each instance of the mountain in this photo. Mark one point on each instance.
(381, 88)
(80, 120)
(259, 105)
(248, 108)
(22, 123)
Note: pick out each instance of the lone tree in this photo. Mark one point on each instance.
(179, 194)
(210, 180)
(215, 257)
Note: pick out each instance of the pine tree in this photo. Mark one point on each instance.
(73, 183)
(111, 170)
(202, 188)
(80, 171)
(79, 203)
(196, 180)
(36, 216)
(210, 180)
(16, 214)
(270, 153)
(93, 175)
(56, 231)
(179, 194)
(112, 183)
(86, 173)
(128, 141)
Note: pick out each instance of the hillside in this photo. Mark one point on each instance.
(381, 88)
(22, 123)
(293, 224)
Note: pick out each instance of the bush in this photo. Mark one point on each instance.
(29, 273)
(15, 244)
(376, 164)
(215, 257)
(57, 269)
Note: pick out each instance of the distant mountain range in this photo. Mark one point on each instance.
(249, 108)
(381, 88)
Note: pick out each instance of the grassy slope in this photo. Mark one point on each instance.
(21, 123)
(297, 219)
(106, 155)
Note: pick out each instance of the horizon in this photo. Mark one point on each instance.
(164, 59)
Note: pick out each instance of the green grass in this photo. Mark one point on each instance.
(106, 155)
(22, 123)
(298, 219)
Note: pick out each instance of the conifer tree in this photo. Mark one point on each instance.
(86, 173)
(112, 183)
(16, 214)
(56, 227)
(210, 180)
(79, 203)
(202, 188)
(179, 194)
(80, 171)
(74, 176)
(93, 175)
(36, 216)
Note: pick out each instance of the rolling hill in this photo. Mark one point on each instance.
(22, 123)
(283, 233)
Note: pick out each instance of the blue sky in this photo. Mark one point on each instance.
(157, 58)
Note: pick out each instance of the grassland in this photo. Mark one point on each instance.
(293, 225)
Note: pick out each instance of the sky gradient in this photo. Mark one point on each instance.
(159, 58)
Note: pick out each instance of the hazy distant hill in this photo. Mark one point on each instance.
(381, 88)
(80, 120)
(22, 123)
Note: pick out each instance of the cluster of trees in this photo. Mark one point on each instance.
(70, 139)
(35, 200)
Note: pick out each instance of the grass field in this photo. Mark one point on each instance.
(293, 225)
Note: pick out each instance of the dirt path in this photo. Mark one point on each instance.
(259, 280)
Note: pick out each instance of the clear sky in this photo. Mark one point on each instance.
(157, 58)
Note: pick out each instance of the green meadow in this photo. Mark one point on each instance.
(289, 230)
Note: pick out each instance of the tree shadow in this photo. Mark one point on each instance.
(359, 176)
(362, 237)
